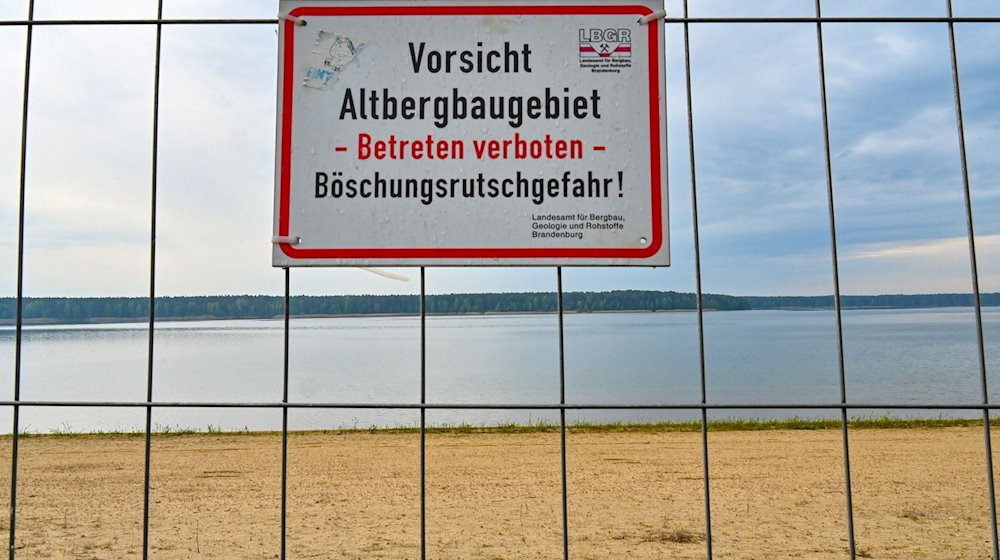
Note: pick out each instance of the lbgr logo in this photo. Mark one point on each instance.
(606, 43)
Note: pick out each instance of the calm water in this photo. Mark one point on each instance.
(782, 357)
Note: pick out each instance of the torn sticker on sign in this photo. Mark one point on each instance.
(331, 53)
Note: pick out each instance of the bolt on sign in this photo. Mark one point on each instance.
(471, 133)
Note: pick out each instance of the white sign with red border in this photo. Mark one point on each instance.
(470, 133)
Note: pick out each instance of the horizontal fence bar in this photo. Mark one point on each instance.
(504, 406)
(273, 21)
(932, 19)
(186, 21)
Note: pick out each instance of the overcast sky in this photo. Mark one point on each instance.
(759, 147)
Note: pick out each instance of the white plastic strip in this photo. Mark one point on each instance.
(296, 20)
(290, 239)
(385, 274)
(659, 14)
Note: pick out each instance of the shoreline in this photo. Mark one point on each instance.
(127, 309)
(717, 426)
(44, 322)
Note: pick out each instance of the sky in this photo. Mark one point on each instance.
(761, 184)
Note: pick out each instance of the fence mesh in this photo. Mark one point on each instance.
(156, 144)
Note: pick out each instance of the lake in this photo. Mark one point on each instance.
(781, 357)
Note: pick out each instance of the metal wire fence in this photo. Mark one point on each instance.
(675, 23)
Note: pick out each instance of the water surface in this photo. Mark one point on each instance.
(776, 357)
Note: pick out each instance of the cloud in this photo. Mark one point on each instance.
(90, 160)
(759, 148)
(922, 249)
(99, 9)
(939, 265)
(922, 134)
(910, 266)
(883, 8)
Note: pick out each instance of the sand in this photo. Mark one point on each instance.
(918, 493)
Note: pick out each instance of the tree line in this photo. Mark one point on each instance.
(894, 301)
(106, 309)
(111, 309)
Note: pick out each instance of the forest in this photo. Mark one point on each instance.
(120, 309)
(896, 301)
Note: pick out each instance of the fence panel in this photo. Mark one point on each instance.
(870, 170)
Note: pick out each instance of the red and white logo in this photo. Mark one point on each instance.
(605, 43)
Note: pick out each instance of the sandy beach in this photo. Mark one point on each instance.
(918, 493)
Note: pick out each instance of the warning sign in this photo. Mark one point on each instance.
(455, 133)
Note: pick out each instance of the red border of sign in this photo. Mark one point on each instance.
(470, 252)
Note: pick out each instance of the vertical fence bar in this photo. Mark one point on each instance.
(562, 411)
(974, 271)
(698, 290)
(852, 546)
(152, 284)
(284, 417)
(19, 304)
(423, 416)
